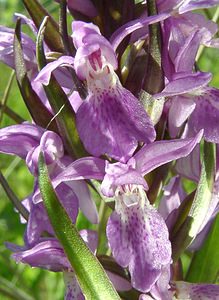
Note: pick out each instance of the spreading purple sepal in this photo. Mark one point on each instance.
(48, 254)
(134, 25)
(84, 168)
(138, 237)
(158, 153)
(184, 83)
(45, 74)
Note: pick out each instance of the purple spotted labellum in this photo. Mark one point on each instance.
(185, 290)
(110, 120)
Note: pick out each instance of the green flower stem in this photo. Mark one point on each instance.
(154, 79)
(90, 274)
(12, 197)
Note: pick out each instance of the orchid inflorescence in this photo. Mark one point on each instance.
(119, 109)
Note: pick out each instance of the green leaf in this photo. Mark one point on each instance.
(189, 229)
(65, 116)
(38, 111)
(205, 263)
(90, 274)
(52, 35)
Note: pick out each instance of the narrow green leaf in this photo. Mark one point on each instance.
(52, 35)
(189, 229)
(205, 263)
(38, 111)
(90, 274)
(65, 116)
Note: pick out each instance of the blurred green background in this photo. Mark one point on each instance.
(15, 279)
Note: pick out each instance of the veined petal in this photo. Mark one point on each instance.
(189, 291)
(138, 237)
(181, 108)
(190, 166)
(112, 122)
(159, 153)
(86, 203)
(132, 26)
(172, 197)
(47, 254)
(84, 168)
(206, 115)
(194, 4)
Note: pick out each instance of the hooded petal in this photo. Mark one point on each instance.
(159, 153)
(112, 122)
(138, 237)
(119, 174)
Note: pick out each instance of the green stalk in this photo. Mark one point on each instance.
(91, 276)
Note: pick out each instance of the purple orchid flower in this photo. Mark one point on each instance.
(110, 120)
(166, 10)
(48, 254)
(189, 96)
(27, 141)
(137, 233)
(29, 53)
